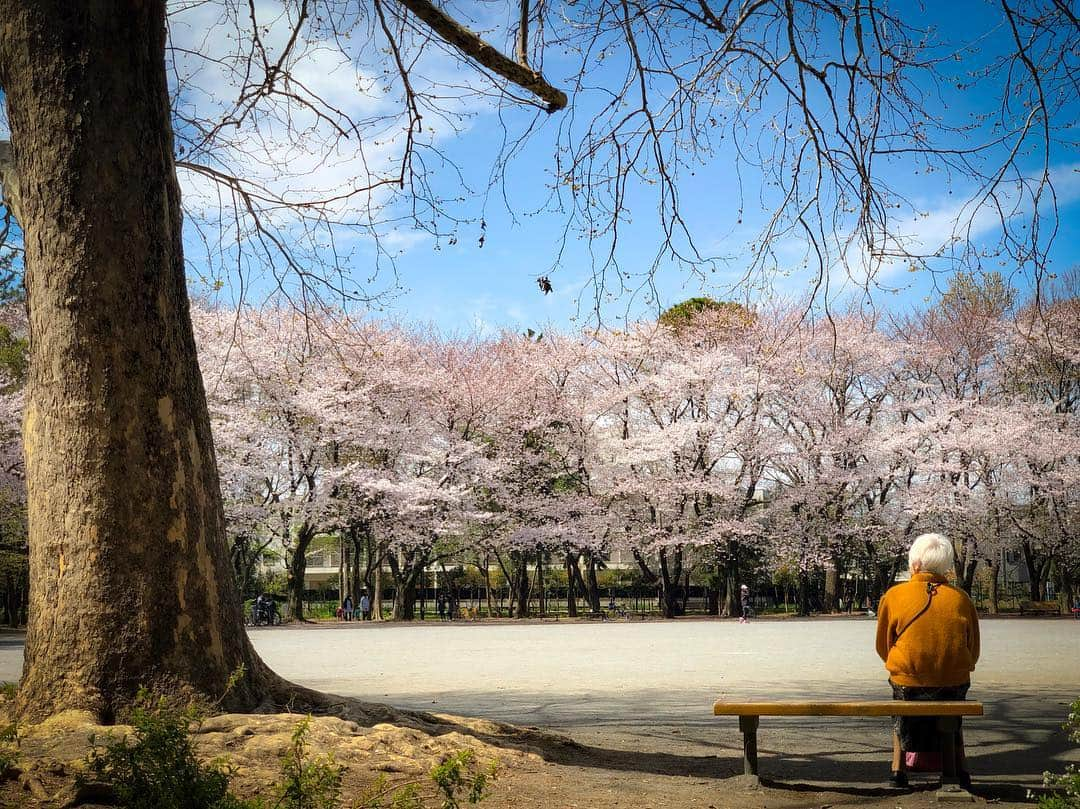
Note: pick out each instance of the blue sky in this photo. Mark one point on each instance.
(459, 285)
(463, 286)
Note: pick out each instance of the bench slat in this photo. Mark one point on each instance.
(867, 708)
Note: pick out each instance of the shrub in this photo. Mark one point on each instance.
(9, 748)
(454, 782)
(1067, 785)
(156, 767)
(308, 782)
(456, 774)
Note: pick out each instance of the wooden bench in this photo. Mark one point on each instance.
(1040, 608)
(947, 713)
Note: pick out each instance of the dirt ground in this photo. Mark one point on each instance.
(536, 770)
(627, 727)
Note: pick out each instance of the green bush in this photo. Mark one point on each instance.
(156, 767)
(308, 782)
(457, 781)
(9, 748)
(456, 775)
(1067, 786)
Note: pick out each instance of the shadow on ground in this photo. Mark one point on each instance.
(1008, 749)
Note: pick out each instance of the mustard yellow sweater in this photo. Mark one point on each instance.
(940, 648)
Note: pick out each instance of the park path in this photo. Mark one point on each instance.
(648, 686)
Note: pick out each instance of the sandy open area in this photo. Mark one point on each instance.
(638, 694)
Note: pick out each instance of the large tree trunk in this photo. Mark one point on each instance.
(667, 578)
(731, 606)
(671, 581)
(521, 584)
(407, 568)
(592, 587)
(296, 572)
(832, 585)
(130, 575)
(541, 586)
(1032, 566)
(804, 592)
(343, 572)
(712, 589)
(376, 599)
(995, 590)
(571, 561)
(356, 580)
(487, 587)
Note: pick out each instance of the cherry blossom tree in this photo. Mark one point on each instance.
(13, 557)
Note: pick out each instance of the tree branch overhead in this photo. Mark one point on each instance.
(472, 46)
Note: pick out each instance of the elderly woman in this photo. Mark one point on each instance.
(928, 636)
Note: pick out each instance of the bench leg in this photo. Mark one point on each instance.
(749, 725)
(947, 727)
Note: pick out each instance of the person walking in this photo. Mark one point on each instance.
(347, 608)
(365, 607)
(744, 601)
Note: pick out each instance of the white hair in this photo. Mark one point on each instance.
(933, 553)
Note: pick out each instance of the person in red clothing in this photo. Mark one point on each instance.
(928, 636)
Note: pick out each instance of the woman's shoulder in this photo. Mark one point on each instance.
(958, 593)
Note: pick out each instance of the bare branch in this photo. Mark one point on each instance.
(523, 35)
(472, 46)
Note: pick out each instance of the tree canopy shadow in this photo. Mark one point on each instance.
(1008, 749)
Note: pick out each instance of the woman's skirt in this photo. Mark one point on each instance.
(919, 734)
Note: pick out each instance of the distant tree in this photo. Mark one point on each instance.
(706, 313)
(11, 280)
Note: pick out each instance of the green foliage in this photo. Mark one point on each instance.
(983, 295)
(11, 280)
(9, 746)
(156, 766)
(1067, 786)
(14, 357)
(455, 782)
(726, 313)
(309, 782)
(408, 797)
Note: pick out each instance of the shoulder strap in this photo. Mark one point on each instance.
(931, 590)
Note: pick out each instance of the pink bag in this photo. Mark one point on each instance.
(923, 762)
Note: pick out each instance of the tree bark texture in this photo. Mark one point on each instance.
(592, 587)
(520, 583)
(296, 572)
(832, 586)
(407, 567)
(541, 585)
(995, 589)
(571, 562)
(1032, 567)
(130, 574)
(376, 597)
